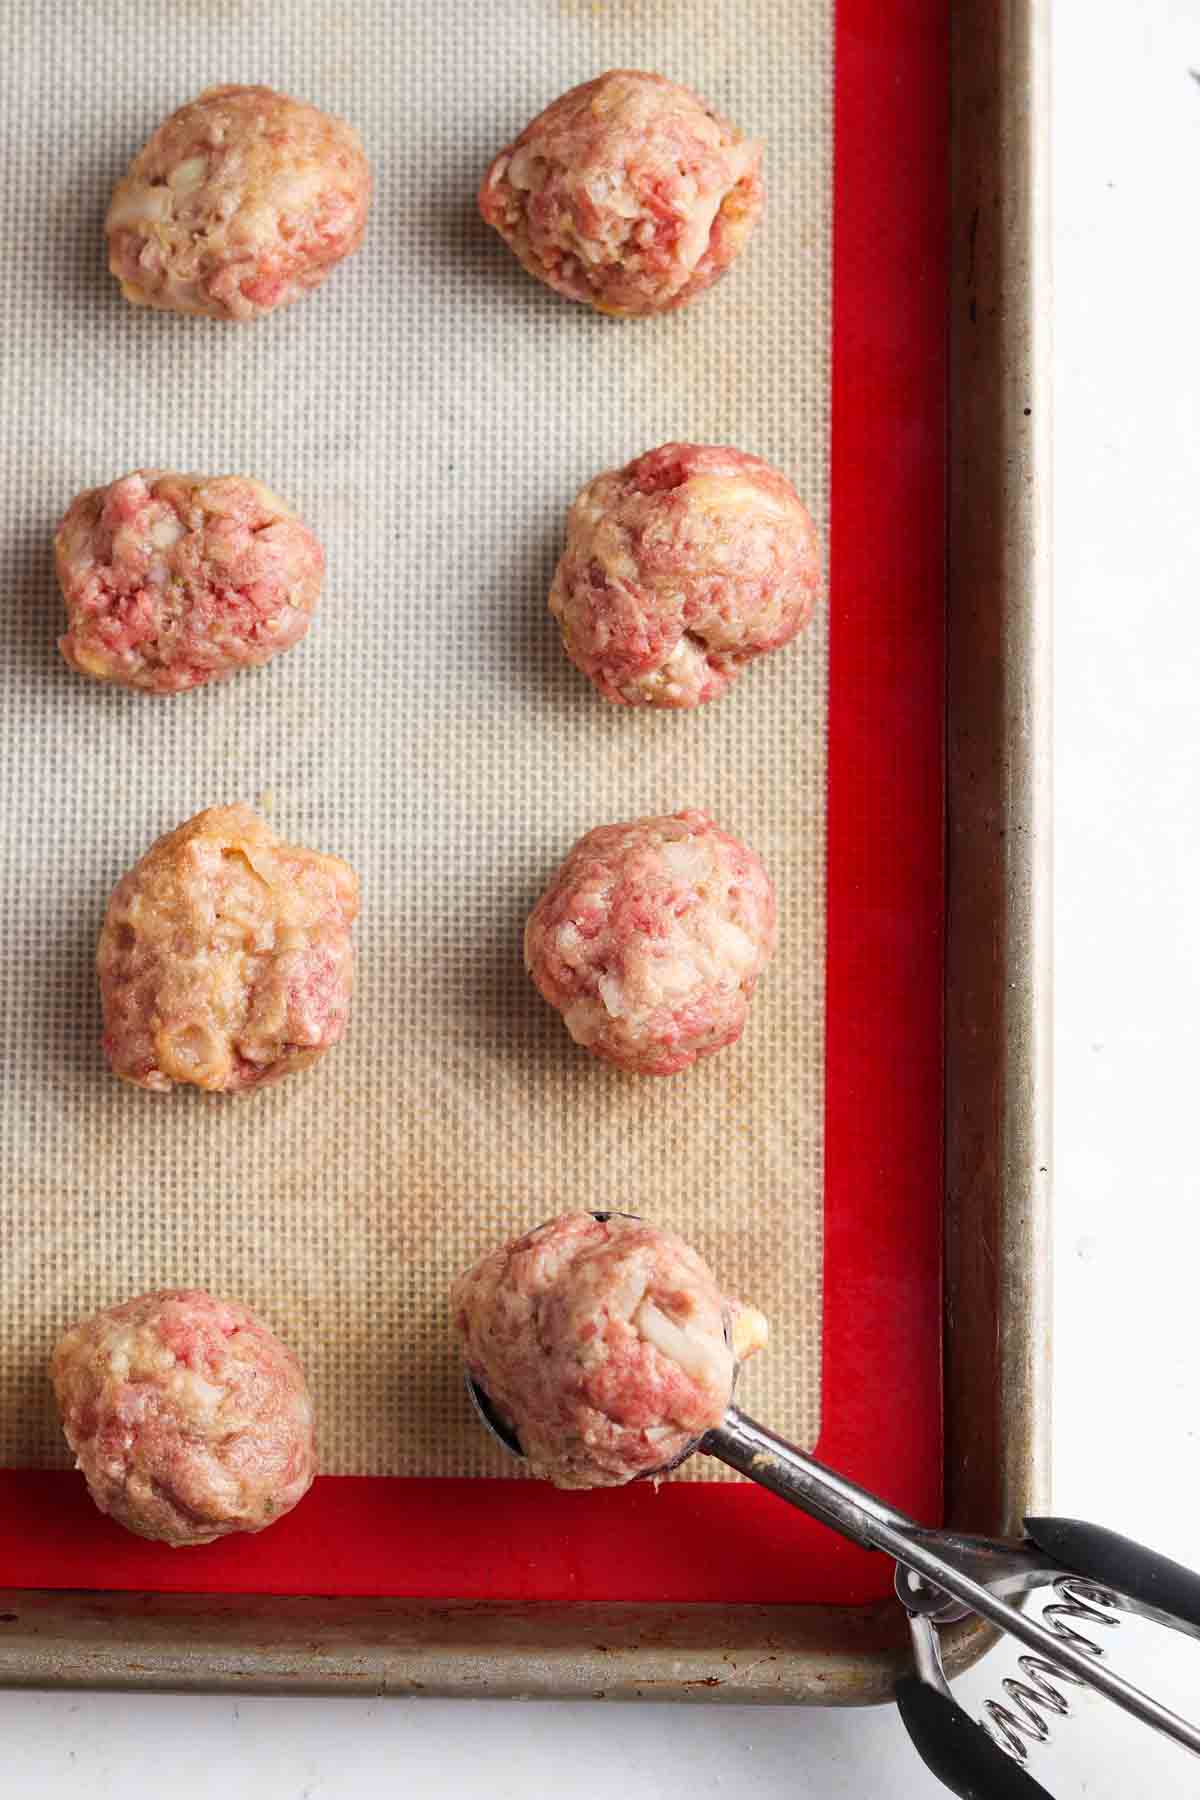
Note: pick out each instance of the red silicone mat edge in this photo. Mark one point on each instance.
(881, 1343)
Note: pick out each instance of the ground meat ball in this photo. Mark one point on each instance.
(604, 1344)
(225, 957)
(174, 580)
(240, 202)
(628, 193)
(650, 938)
(188, 1418)
(680, 568)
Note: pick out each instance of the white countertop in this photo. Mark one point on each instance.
(1127, 1059)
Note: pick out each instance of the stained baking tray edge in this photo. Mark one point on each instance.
(997, 1338)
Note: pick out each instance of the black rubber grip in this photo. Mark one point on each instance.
(958, 1751)
(1111, 1560)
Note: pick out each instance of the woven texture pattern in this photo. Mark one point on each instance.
(430, 412)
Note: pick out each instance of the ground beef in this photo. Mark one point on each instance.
(225, 958)
(628, 193)
(239, 203)
(188, 1418)
(171, 581)
(679, 569)
(604, 1344)
(650, 938)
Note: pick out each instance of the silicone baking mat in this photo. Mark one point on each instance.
(431, 412)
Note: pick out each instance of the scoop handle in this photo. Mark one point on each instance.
(1167, 1589)
(957, 1750)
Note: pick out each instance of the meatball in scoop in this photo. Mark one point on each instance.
(604, 1344)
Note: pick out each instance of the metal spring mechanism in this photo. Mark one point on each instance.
(1037, 1694)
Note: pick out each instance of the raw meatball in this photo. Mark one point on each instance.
(628, 193)
(240, 202)
(680, 568)
(187, 1416)
(225, 957)
(174, 580)
(605, 1345)
(650, 938)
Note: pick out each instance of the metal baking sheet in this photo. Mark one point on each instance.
(996, 1330)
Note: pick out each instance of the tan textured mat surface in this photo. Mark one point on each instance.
(430, 412)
